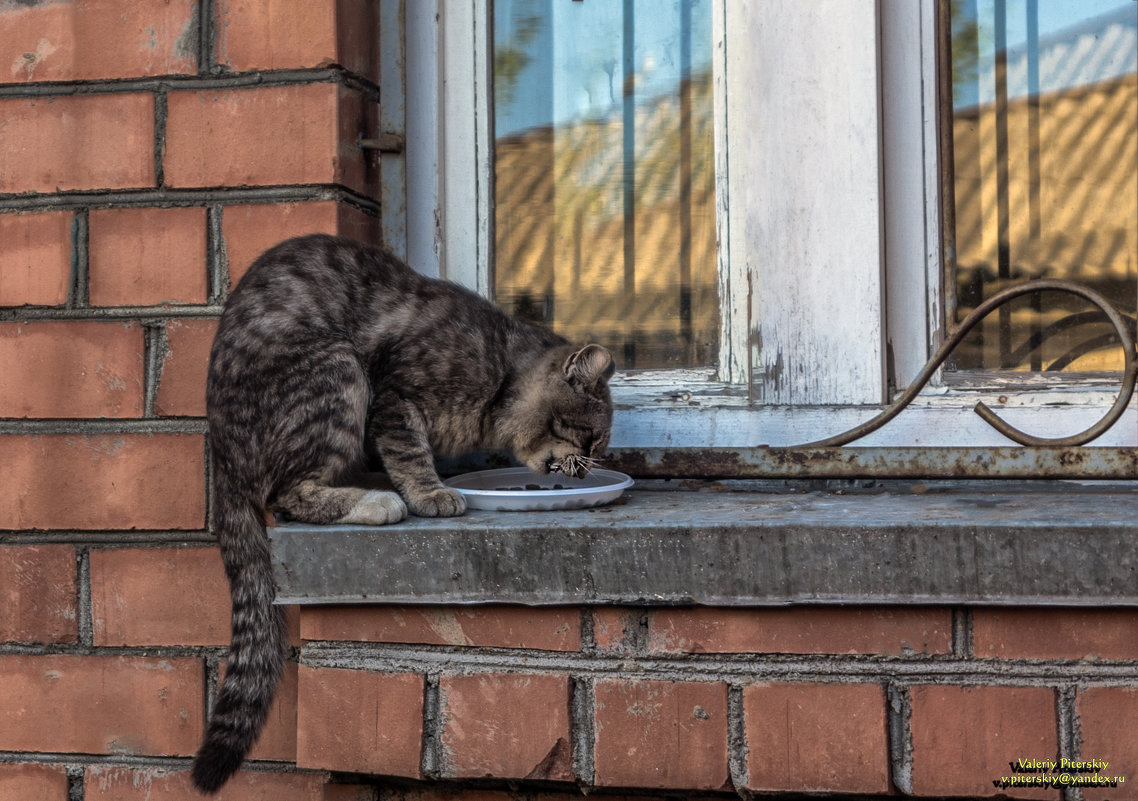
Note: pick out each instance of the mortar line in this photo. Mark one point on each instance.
(962, 628)
(160, 114)
(211, 673)
(78, 295)
(96, 539)
(588, 630)
(130, 313)
(1069, 740)
(135, 761)
(206, 34)
(431, 756)
(156, 347)
(76, 790)
(135, 651)
(583, 731)
(217, 79)
(207, 460)
(717, 668)
(899, 710)
(218, 256)
(738, 749)
(85, 617)
(166, 196)
(185, 425)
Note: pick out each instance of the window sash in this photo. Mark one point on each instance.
(844, 348)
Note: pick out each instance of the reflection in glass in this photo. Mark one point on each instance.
(604, 174)
(1044, 174)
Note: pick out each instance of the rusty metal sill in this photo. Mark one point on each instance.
(1013, 462)
(741, 545)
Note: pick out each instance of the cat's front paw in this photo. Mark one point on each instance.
(444, 502)
(376, 508)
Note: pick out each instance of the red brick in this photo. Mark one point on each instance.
(267, 36)
(964, 737)
(35, 262)
(439, 792)
(359, 721)
(159, 596)
(114, 783)
(1108, 718)
(233, 137)
(250, 230)
(100, 704)
(287, 35)
(812, 630)
(181, 392)
(1055, 633)
(508, 726)
(614, 628)
(357, 37)
(101, 141)
(102, 481)
(658, 734)
(544, 629)
(148, 257)
(71, 368)
(38, 594)
(351, 792)
(816, 738)
(32, 782)
(278, 740)
(92, 39)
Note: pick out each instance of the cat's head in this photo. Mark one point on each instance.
(561, 419)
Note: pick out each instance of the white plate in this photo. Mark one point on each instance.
(505, 490)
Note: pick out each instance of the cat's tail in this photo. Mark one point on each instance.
(256, 651)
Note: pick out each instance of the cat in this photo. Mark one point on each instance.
(328, 348)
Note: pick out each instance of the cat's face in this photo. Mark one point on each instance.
(566, 416)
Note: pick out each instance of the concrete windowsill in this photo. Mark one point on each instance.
(737, 545)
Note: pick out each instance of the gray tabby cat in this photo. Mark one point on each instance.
(326, 349)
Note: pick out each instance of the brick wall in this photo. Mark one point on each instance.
(149, 149)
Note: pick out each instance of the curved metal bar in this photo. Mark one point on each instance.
(1130, 370)
(1081, 350)
(1036, 340)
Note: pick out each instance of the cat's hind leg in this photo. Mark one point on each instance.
(319, 444)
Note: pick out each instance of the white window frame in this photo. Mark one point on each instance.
(797, 205)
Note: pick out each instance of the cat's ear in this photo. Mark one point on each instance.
(589, 366)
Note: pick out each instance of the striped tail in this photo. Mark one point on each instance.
(256, 651)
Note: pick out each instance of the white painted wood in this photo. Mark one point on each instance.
(424, 137)
(806, 210)
(910, 175)
(941, 422)
(465, 160)
(392, 119)
(735, 356)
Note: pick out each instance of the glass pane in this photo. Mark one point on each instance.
(1044, 180)
(604, 174)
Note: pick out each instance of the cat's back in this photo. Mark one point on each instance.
(313, 285)
(322, 268)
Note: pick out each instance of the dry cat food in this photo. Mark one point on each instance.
(529, 488)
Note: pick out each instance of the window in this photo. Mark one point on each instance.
(1041, 160)
(604, 175)
(835, 271)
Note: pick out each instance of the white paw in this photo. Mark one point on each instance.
(376, 508)
(445, 502)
